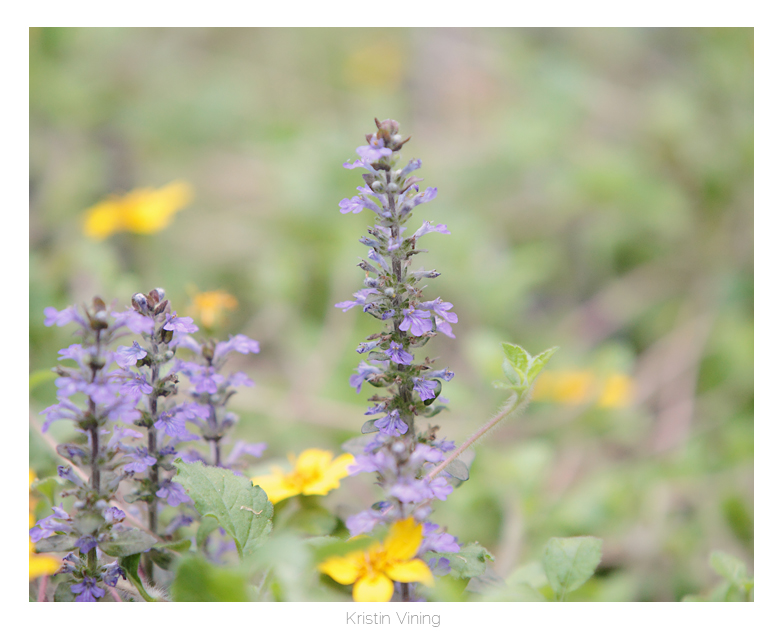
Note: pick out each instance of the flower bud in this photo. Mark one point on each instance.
(139, 303)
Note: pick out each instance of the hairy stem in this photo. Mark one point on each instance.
(511, 404)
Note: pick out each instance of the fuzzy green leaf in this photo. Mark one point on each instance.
(56, 543)
(130, 565)
(127, 543)
(242, 509)
(469, 562)
(458, 469)
(538, 363)
(569, 562)
(517, 356)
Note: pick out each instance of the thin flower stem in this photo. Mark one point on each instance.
(42, 588)
(512, 403)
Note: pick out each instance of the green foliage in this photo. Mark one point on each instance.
(130, 565)
(570, 562)
(56, 543)
(197, 580)
(522, 369)
(469, 562)
(242, 509)
(127, 543)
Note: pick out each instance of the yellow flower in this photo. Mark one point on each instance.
(40, 564)
(581, 387)
(140, 211)
(209, 306)
(314, 473)
(618, 391)
(373, 570)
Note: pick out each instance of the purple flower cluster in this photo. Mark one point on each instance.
(211, 389)
(399, 454)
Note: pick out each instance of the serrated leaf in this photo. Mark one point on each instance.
(469, 562)
(241, 508)
(517, 356)
(570, 562)
(730, 568)
(538, 363)
(369, 427)
(127, 543)
(130, 565)
(56, 543)
(458, 469)
(197, 580)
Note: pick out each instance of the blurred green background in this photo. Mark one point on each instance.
(598, 184)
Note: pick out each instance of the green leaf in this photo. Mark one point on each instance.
(369, 427)
(328, 547)
(435, 394)
(37, 378)
(176, 545)
(569, 562)
(242, 509)
(730, 568)
(63, 592)
(130, 565)
(469, 562)
(538, 363)
(511, 373)
(458, 469)
(56, 543)
(197, 580)
(127, 543)
(517, 356)
(206, 528)
(48, 487)
(315, 520)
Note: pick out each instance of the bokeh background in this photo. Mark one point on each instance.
(598, 184)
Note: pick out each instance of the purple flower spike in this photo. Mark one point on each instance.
(392, 424)
(398, 355)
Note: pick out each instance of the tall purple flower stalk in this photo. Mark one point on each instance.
(93, 395)
(211, 390)
(401, 453)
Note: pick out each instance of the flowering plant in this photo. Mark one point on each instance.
(118, 389)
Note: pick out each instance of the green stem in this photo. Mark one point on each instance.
(511, 404)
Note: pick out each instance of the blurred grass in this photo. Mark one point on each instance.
(598, 184)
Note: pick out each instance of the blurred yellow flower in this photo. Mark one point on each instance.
(208, 307)
(581, 387)
(315, 473)
(40, 564)
(373, 570)
(139, 211)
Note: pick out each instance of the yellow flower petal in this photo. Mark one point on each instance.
(374, 587)
(276, 486)
(403, 540)
(42, 565)
(331, 475)
(618, 391)
(411, 571)
(344, 570)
